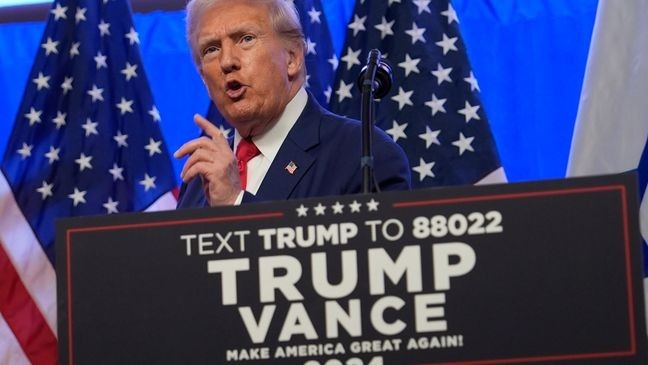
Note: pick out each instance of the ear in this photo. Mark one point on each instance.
(295, 62)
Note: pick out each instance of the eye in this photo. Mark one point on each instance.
(209, 49)
(248, 38)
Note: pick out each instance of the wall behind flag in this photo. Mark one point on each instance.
(529, 57)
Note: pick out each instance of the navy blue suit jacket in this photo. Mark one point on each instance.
(325, 149)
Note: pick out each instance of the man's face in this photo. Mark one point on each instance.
(250, 72)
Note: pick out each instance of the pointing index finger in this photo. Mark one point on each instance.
(207, 127)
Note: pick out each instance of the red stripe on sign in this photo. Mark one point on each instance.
(23, 316)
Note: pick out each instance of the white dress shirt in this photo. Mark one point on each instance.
(270, 142)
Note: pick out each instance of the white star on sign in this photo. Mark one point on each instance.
(416, 33)
(337, 208)
(111, 206)
(67, 85)
(90, 127)
(45, 190)
(451, 14)
(474, 85)
(132, 36)
(358, 24)
(310, 47)
(50, 46)
(397, 131)
(103, 28)
(41, 81)
(59, 12)
(319, 209)
(403, 98)
(96, 93)
(34, 116)
(393, 1)
(430, 137)
(344, 91)
(448, 44)
(100, 60)
(372, 205)
(463, 144)
(129, 71)
(148, 182)
(355, 207)
(116, 172)
(59, 120)
(470, 112)
(314, 15)
(25, 150)
(423, 6)
(302, 211)
(74, 49)
(385, 28)
(84, 162)
(351, 57)
(424, 169)
(53, 154)
(125, 106)
(410, 65)
(155, 113)
(442, 74)
(436, 105)
(78, 197)
(153, 147)
(80, 15)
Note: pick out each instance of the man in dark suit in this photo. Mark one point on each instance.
(250, 55)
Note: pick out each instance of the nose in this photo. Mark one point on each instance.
(229, 59)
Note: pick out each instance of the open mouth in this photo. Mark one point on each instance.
(234, 89)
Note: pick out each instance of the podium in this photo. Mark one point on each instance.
(544, 272)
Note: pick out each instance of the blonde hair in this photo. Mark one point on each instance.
(283, 15)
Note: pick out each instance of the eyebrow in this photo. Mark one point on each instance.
(232, 32)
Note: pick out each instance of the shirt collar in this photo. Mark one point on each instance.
(269, 142)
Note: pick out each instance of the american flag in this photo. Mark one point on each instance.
(85, 141)
(433, 109)
(321, 60)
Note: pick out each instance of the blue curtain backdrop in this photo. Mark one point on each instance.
(529, 57)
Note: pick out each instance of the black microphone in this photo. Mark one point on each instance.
(382, 79)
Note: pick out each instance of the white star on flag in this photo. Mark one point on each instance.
(129, 71)
(416, 33)
(148, 182)
(397, 131)
(45, 190)
(424, 169)
(78, 196)
(125, 106)
(133, 36)
(470, 112)
(111, 206)
(464, 144)
(42, 81)
(84, 162)
(34, 116)
(430, 137)
(153, 147)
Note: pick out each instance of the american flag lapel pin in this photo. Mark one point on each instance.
(291, 167)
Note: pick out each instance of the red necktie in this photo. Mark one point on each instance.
(245, 151)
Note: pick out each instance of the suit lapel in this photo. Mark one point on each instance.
(293, 160)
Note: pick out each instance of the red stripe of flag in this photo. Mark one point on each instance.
(23, 316)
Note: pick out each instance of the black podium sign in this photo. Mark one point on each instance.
(544, 272)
